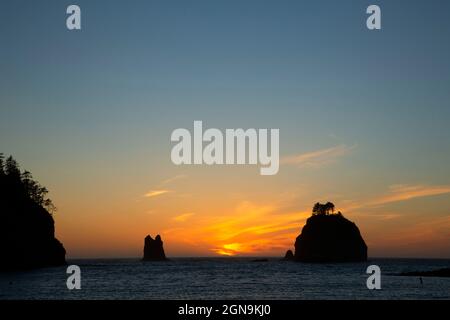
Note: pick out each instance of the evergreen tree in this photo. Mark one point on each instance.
(12, 168)
(25, 183)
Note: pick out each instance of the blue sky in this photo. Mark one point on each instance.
(289, 64)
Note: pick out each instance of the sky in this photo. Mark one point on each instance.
(363, 119)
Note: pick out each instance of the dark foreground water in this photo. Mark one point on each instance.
(227, 278)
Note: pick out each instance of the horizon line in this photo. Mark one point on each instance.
(244, 257)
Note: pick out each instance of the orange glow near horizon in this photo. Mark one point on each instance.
(197, 220)
(229, 249)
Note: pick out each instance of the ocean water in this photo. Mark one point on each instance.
(226, 278)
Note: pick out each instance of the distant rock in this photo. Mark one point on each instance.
(445, 272)
(153, 249)
(289, 256)
(329, 238)
(27, 229)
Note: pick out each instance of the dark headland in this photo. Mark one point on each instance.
(329, 237)
(153, 249)
(27, 228)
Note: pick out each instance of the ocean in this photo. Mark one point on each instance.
(227, 278)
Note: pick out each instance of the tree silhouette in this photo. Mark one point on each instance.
(24, 183)
(12, 168)
(329, 206)
(323, 209)
(2, 163)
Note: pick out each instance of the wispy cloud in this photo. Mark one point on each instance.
(402, 192)
(175, 178)
(318, 158)
(183, 217)
(162, 190)
(397, 193)
(155, 193)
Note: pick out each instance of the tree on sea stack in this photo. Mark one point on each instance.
(329, 237)
(323, 209)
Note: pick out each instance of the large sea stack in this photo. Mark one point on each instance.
(153, 249)
(329, 237)
(27, 229)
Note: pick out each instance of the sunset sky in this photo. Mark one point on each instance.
(363, 118)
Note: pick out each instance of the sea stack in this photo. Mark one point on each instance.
(153, 249)
(289, 256)
(329, 237)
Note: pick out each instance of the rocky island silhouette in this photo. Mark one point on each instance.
(153, 249)
(27, 228)
(329, 237)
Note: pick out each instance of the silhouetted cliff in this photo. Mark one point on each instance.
(329, 238)
(27, 231)
(153, 249)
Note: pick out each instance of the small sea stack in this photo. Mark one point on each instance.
(289, 256)
(153, 249)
